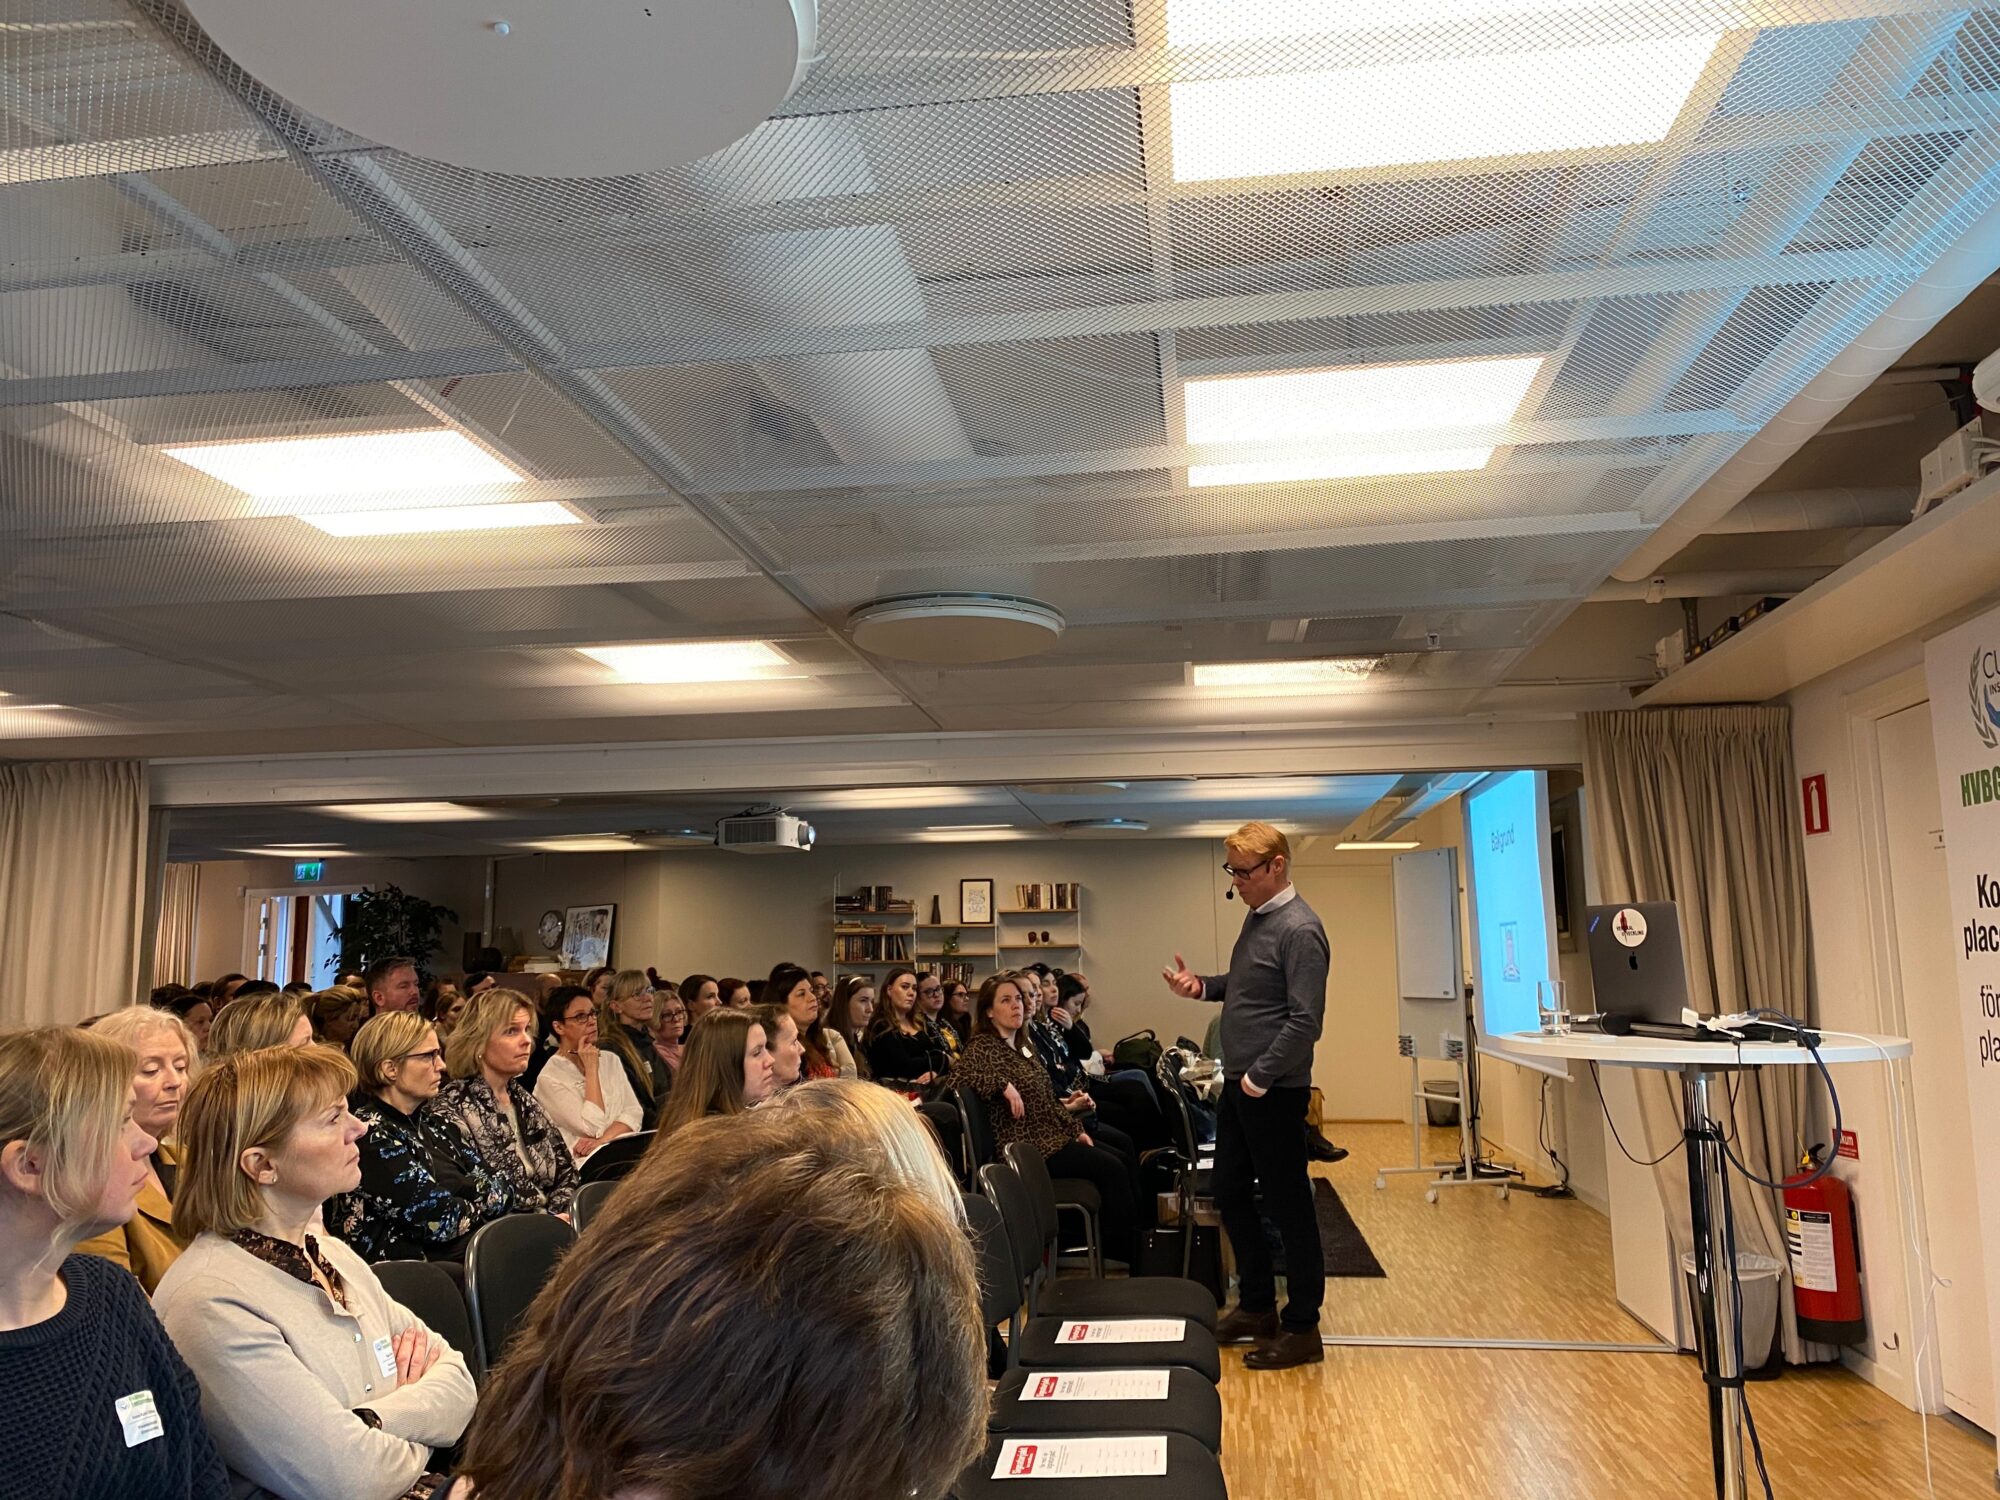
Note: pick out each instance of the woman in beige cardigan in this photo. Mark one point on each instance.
(315, 1383)
(146, 1245)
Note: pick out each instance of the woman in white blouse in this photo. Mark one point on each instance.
(583, 1088)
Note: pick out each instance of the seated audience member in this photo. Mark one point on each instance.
(901, 1051)
(582, 1088)
(782, 1040)
(670, 1022)
(930, 1007)
(692, 1349)
(392, 984)
(735, 993)
(197, 1013)
(422, 1190)
(791, 989)
(853, 1012)
(957, 1013)
(625, 1029)
(701, 994)
(223, 990)
(1120, 1111)
(272, 1020)
(146, 1244)
(510, 1133)
(250, 989)
(78, 1343)
(336, 1014)
(477, 983)
(726, 1070)
(316, 1384)
(298, 988)
(598, 982)
(442, 1005)
(1001, 1067)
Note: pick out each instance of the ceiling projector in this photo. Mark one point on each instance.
(764, 833)
(544, 88)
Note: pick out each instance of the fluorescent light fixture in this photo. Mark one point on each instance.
(1324, 671)
(405, 522)
(1438, 109)
(920, 797)
(1207, 23)
(408, 812)
(1378, 844)
(1324, 406)
(586, 843)
(361, 463)
(964, 827)
(974, 836)
(696, 661)
(292, 851)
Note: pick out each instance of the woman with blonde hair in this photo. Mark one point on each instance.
(336, 1014)
(625, 1029)
(274, 1020)
(511, 1135)
(727, 1069)
(316, 1383)
(690, 1347)
(98, 1400)
(146, 1244)
(422, 1189)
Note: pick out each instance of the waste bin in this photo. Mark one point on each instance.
(1762, 1280)
(1443, 1113)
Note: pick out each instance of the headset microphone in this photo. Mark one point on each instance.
(1230, 894)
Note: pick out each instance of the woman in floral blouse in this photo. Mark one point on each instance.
(422, 1191)
(511, 1135)
(1001, 1067)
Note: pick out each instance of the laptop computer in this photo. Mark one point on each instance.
(1636, 966)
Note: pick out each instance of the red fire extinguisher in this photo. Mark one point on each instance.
(1820, 1238)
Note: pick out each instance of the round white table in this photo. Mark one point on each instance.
(1701, 1065)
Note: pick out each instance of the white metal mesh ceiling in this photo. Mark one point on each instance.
(934, 327)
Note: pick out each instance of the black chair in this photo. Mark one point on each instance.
(978, 1126)
(1193, 1473)
(506, 1265)
(434, 1295)
(993, 1257)
(1193, 1183)
(1192, 1406)
(615, 1158)
(590, 1202)
(1027, 1202)
(1073, 1195)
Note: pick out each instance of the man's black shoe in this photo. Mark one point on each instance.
(1284, 1350)
(1239, 1327)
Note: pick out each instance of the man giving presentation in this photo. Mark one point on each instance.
(1273, 1002)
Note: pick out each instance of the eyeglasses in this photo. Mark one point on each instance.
(1235, 874)
(434, 1055)
(586, 1015)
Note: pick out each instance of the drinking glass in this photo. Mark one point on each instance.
(1552, 1001)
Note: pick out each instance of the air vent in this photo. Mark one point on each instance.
(1351, 630)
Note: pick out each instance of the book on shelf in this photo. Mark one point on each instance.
(1057, 895)
(950, 971)
(872, 898)
(870, 948)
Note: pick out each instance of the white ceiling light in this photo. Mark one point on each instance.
(1325, 671)
(360, 463)
(954, 629)
(894, 797)
(965, 827)
(1378, 844)
(1324, 406)
(697, 661)
(536, 87)
(1438, 109)
(586, 843)
(414, 519)
(291, 851)
(408, 812)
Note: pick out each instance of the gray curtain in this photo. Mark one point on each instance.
(1695, 806)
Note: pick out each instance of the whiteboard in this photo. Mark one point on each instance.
(1427, 949)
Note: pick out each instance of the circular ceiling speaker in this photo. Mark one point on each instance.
(540, 87)
(954, 630)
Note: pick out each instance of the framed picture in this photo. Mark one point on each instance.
(586, 938)
(975, 901)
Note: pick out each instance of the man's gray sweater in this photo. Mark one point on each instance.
(1273, 997)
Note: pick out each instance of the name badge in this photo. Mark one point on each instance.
(140, 1418)
(385, 1357)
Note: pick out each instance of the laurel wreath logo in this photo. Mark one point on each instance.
(1980, 718)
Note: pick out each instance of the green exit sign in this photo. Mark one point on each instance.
(308, 869)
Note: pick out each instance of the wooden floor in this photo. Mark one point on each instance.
(1469, 1266)
(1426, 1424)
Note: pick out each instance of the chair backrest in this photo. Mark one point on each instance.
(1033, 1169)
(993, 1257)
(506, 1265)
(614, 1159)
(590, 1201)
(978, 1126)
(1003, 1185)
(1180, 1120)
(433, 1294)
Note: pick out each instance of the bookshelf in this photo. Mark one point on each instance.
(874, 929)
(1054, 909)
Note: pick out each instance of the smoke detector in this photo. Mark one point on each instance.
(955, 630)
(543, 88)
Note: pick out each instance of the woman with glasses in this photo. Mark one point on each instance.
(423, 1190)
(930, 1005)
(583, 1087)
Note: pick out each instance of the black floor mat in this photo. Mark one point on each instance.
(1342, 1245)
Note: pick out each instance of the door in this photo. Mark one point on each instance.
(1922, 901)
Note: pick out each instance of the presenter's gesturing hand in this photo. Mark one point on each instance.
(1181, 981)
(1251, 1089)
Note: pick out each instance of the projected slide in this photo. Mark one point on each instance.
(1512, 898)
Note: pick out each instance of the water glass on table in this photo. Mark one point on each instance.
(1552, 1002)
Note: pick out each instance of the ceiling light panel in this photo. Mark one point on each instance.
(1378, 844)
(1326, 406)
(408, 812)
(697, 661)
(1438, 109)
(422, 518)
(1326, 671)
(369, 463)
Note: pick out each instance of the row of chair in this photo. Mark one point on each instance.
(507, 1262)
(1015, 1230)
